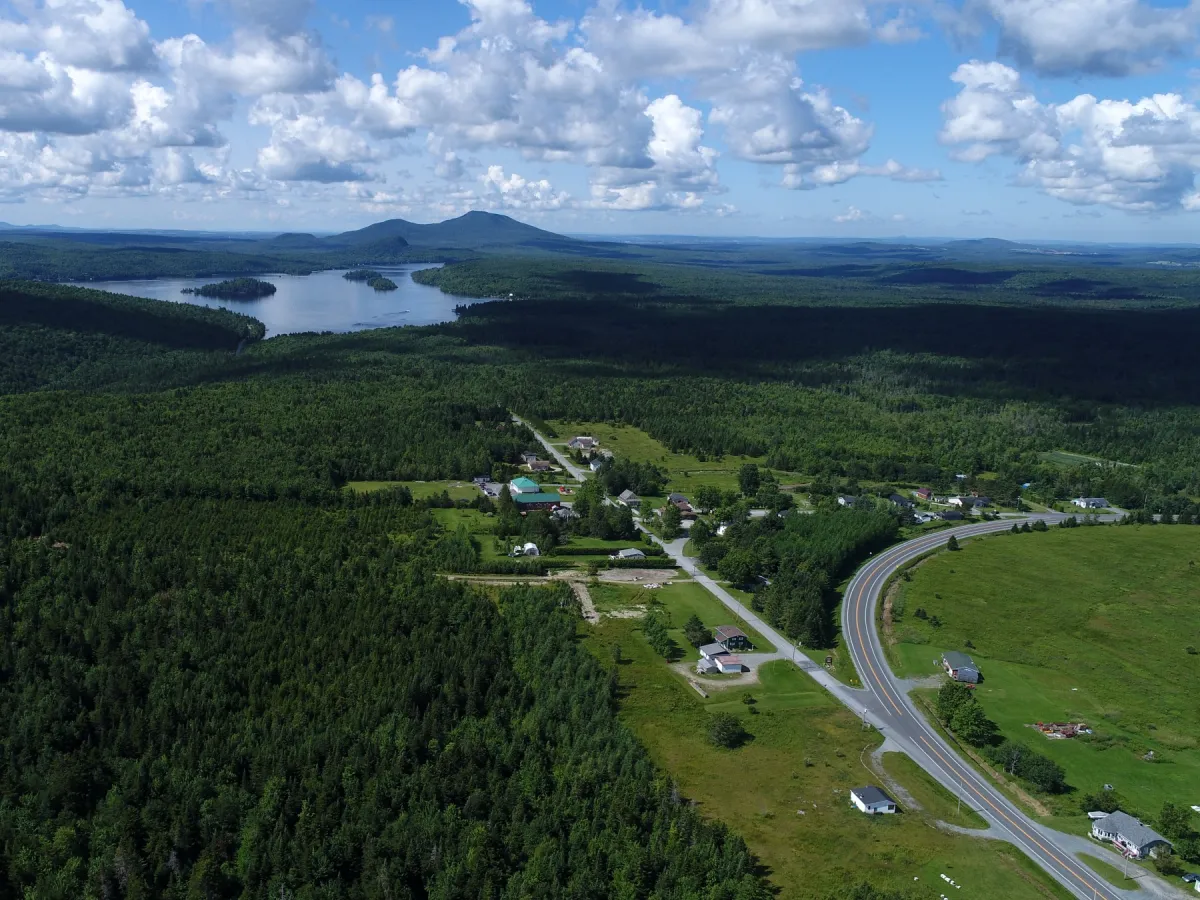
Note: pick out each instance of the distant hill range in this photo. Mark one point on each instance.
(475, 230)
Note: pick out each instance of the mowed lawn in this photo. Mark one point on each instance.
(805, 755)
(676, 603)
(421, 490)
(685, 472)
(1090, 624)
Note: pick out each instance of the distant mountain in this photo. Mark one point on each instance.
(984, 244)
(470, 231)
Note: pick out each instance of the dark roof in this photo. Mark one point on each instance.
(900, 500)
(713, 650)
(543, 497)
(725, 632)
(956, 660)
(870, 795)
(950, 515)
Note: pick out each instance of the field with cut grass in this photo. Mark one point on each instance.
(458, 490)
(934, 800)
(676, 603)
(786, 790)
(685, 472)
(1085, 624)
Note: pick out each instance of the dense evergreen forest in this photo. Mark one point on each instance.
(235, 289)
(224, 675)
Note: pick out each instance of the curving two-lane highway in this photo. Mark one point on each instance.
(892, 711)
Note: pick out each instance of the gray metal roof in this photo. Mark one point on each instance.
(713, 650)
(870, 795)
(1133, 831)
(957, 660)
(628, 495)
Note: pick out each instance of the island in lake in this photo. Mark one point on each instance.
(372, 278)
(235, 289)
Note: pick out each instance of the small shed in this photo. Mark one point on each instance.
(728, 665)
(630, 553)
(705, 666)
(872, 801)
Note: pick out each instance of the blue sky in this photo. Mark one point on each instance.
(1050, 119)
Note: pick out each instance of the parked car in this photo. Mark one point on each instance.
(1191, 878)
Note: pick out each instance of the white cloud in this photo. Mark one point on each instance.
(514, 192)
(841, 172)
(1106, 37)
(1139, 156)
(102, 35)
(41, 95)
(852, 214)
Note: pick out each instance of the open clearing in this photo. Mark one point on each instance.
(685, 473)
(806, 753)
(458, 490)
(1082, 624)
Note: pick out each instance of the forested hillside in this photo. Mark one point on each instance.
(226, 699)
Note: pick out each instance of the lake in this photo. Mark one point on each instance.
(323, 301)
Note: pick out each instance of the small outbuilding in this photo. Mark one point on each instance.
(1090, 502)
(950, 515)
(529, 549)
(872, 801)
(712, 651)
(728, 665)
(924, 494)
(596, 464)
(847, 500)
(961, 667)
(630, 553)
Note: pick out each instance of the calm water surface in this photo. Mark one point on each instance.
(323, 301)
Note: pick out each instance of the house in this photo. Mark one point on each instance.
(923, 494)
(922, 518)
(1090, 502)
(523, 485)
(960, 502)
(1129, 835)
(677, 499)
(596, 464)
(731, 638)
(970, 502)
(539, 465)
(528, 457)
(530, 549)
(847, 501)
(565, 511)
(630, 499)
(712, 651)
(540, 500)
(961, 667)
(950, 516)
(902, 502)
(582, 443)
(872, 801)
(631, 553)
(728, 665)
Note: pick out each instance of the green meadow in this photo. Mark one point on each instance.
(1085, 624)
(785, 790)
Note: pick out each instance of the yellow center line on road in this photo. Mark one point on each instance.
(1096, 885)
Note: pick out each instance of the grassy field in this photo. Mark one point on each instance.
(1084, 624)
(936, 802)
(805, 754)
(676, 602)
(685, 472)
(1111, 874)
(458, 490)
(1070, 460)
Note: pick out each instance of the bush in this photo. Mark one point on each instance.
(727, 731)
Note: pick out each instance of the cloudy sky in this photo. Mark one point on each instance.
(1013, 118)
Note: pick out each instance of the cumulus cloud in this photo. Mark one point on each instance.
(102, 35)
(514, 192)
(1105, 37)
(1140, 156)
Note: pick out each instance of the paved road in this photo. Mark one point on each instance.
(573, 470)
(884, 702)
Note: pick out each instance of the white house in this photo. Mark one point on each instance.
(728, 665)
(631, 553)
(582, 442)
(713, 651)
(596, 464)
(872, 801)
(1129, 835)
(530, 549)
(1090, 502)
